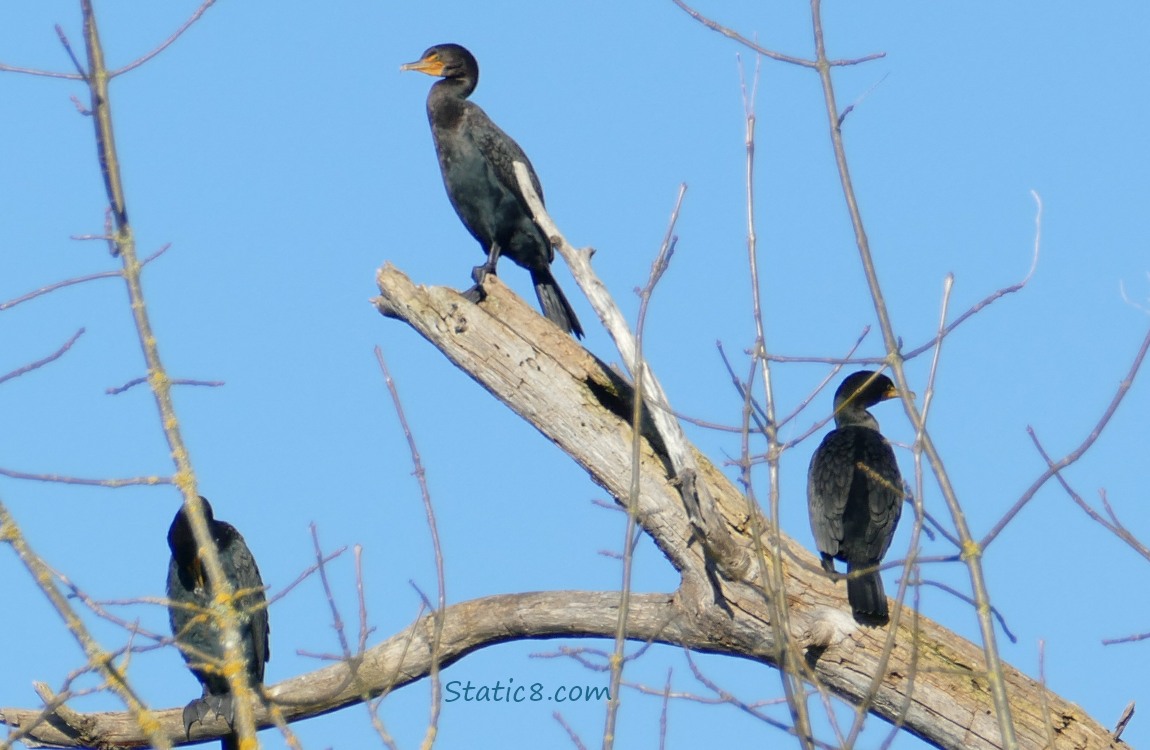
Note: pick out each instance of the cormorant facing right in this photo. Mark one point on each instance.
(196, 632)
(476, 158)
(855, 493)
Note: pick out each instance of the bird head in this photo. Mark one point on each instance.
(446, 61)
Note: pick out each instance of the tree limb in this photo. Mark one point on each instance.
(582, 405)
(552, 382)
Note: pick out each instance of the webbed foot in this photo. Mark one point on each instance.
(479, 273)
(208, 707)
(474, 294)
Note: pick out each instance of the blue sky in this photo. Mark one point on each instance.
(285, 157)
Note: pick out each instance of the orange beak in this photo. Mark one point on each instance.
(431, 65)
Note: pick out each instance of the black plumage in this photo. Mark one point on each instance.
(855, 493)
(197, 634)
(476, 158)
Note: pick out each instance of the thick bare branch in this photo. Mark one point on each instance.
(577, 402)
(400, 660)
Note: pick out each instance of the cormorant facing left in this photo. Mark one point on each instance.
(197, 634)
(476, 159)
(855, 493)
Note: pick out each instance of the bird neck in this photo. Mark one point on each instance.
(853, 415)
(453, 88)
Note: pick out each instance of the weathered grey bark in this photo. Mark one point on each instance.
(932, 683)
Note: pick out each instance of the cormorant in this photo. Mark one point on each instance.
(197, 634)
(855, 493)
(476, 158)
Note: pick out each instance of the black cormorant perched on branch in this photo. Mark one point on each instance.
(476, 159)
(197, 634)
(855, 493)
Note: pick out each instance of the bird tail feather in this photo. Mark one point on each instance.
(866, 596)
(554, 303)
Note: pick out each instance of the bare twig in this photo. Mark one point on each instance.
(336, 620)
(792, 667)
(78, 280)
(166, 43)
(117, 390)
(1112, 524)
(663, 711)
(1057, 466)
(972, 552)
(129, 482)
(98, 659)
(60, 352)
(571, 733)
(729, 698)
(440, 578)
(71, 53)
(307, 573)
(1125, 639)
(780, 57)
(995, 295)
(124, 244)
(964, 597)
(658, 268)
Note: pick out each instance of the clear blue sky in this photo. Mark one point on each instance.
(285, 157)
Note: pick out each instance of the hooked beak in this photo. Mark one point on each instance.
(431, 65)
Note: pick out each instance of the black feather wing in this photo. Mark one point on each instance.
(244, 575)
(877, 468)
(854, 494)
(501, 149)
(828, 488)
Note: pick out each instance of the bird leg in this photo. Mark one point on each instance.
(479, 273)
(829, 567)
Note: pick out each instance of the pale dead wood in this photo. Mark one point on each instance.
(398, 661)
(554, 388)
(581, 405)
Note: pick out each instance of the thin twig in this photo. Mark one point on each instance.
(114, 483)
(1057, 466)
(747, 708)
(997, 294)
(792, 666)
(440, 578)
(663, 711)
(972, 553)
(71, 53)
(43, 361)
(1125, 639)
(969, 600)
(307, 573)
(658, 268)
(79, 279)
(780, 57)
(336, 619)
(1113, 525)
(166, 43)
(117, 390)
(571, 733)
(98, 659)
(123, 240)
